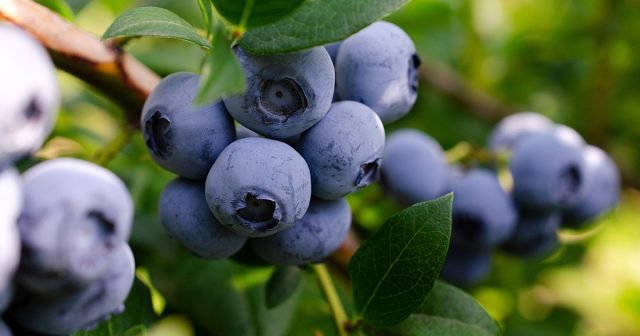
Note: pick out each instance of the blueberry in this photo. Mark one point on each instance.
(11, 200)
(378, 66)
(535, 234)
(568, 135)
(4, 329)
(601, 189)
(181, 137)
(75, 214)
(343, 150)
(5, 298)
(483, 215)
(414, 168)
(318, 234)
(186, 218)
(518, 126)
(84, 307)
(548, 173)
(286, 94)
(455, 175)
(30, 94)
(466, 267)
(332, 49)
(258, 187)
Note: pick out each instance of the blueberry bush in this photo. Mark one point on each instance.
(307, 167)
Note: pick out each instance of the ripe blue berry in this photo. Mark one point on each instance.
(483, 214)
(343, 150)
(414, 168)
(535, 234)
(516, 127)
(258, 187)
(82, 308)
(186, 217)
(465, 267)
(4, 329)
(601, 189)
(378, 66)
(318, 234)
(286, 94)
(182, 138)
(548, 173)
(30, 94)
(332, 49)
(11, 200)
(75, 214)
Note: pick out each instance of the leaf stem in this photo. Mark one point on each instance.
(109, 151)
(241, 28)
(326, 285)
(459, 152)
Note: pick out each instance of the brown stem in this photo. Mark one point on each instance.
(451, 85)
(103, 65)
(602, 84)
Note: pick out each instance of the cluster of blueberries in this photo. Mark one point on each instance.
(65, 264)
(309, 132)
(557, 180)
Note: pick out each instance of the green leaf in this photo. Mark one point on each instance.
(153, 21)
(59, 6)
(222, 297)
(255, 12)
(447, 311)
(223, 74)
(282, 284)
(317, 22)
(207, 15)
(393, 272)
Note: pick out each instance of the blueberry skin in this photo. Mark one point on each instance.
(569, 136)
(344, 150)
(517, 126)
(466, 267)
(378, 66)
(83, 308)
(483, 215)
(286, 94)
(75, 214)
(318, 234)
(535, 235)
(414, 168)
(186, 217)
(258, 187)
(6, 296)
(4, 329)
(548, 173)
(180, 137)
(30, 94)
(332, 49)
(601, 189)
(11, 200)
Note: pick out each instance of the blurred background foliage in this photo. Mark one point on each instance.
(575, 61)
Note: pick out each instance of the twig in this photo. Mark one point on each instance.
(326, 285)
(448, 83)
(103, 65)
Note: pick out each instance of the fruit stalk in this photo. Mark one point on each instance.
(327, 287)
